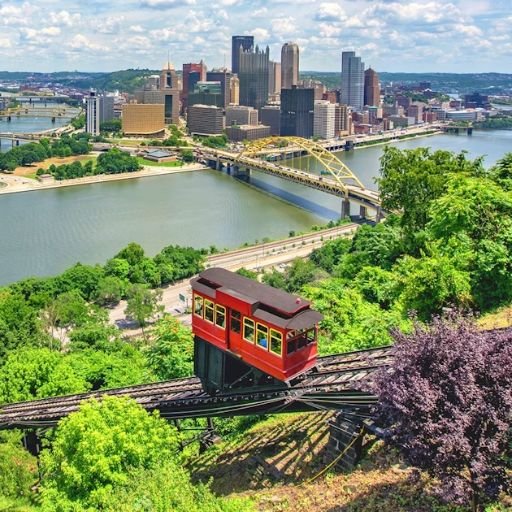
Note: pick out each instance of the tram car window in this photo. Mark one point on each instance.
(248, 334)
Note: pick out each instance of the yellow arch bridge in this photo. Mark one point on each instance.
(335, 177)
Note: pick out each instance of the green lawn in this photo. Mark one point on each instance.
(143, 161)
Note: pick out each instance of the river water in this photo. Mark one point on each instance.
(22, 124)
(44, 232)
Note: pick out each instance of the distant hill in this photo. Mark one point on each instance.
(128, 80)
(486, 83)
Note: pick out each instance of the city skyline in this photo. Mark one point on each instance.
(409, 36)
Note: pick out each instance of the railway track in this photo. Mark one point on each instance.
(334, 384)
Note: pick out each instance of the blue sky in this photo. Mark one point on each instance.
(401, 35)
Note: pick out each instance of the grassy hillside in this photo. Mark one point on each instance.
(274, 460)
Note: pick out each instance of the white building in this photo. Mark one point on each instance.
(324, 119)
(98, 108)
(240, 115)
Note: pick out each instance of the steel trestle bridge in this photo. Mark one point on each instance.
(336, 383)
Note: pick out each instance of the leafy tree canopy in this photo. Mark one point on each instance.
(447, 402)
(95, 449)
(172, 351)
(411, 179)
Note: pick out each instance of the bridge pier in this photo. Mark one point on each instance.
(241, 172)
(345, 208)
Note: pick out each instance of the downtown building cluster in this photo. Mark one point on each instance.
(259, 97)
(256, 98)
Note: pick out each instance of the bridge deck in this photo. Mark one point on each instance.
(326, 184)
(334, 384)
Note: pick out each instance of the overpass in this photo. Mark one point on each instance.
(335, 177)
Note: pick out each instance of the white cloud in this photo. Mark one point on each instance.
(64, 18)
(283, 27)
(330, 11)
(109, 25)
(468, 30)
(82, 43)
(260, 34)
(395, 34)
(328, 30)
(166, 4)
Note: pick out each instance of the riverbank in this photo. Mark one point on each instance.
(399, 138)
(13, 183)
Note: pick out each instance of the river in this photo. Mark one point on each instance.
(44, 232)
(22, 124)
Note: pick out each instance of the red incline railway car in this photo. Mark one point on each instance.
(249, 334)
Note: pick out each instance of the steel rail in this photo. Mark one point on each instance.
(334, 383)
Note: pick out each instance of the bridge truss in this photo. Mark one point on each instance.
(330, 163)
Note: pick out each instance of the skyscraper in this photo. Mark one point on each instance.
(324, 119)
(274, 77)
(371, 88)
(289, 65)
(169, 86)
(253, 76)
(234, 97)
(297, 107)
(223, 76)
(98, 108)
(352, 80)
(189, 68)
(246, 42)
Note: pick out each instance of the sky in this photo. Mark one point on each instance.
(461, 36)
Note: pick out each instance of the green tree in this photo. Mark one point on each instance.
(115, 161)
(18, 469)
(147, 271)
(111, 126)
(329, 255)
(82, 278)
(109, 365)
(109, 291)
(169, 488)
(300, 273)
(184, 262)
(248, 273)
(428, 284)
(473, 222)
(142, 304)
(502, 172)
(187, 155)
(171, 354)
(95, 449)
(133, 253)
(30, 373)
(411, 179)
(19, 323)
(71, 309)
(118, 267)
(78, 122)
(350, 322)
(97, 335)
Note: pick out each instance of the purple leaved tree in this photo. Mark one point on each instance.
(446, 401)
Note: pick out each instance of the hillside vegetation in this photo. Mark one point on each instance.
(447, 246)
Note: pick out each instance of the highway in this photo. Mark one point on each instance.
(264, 255)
